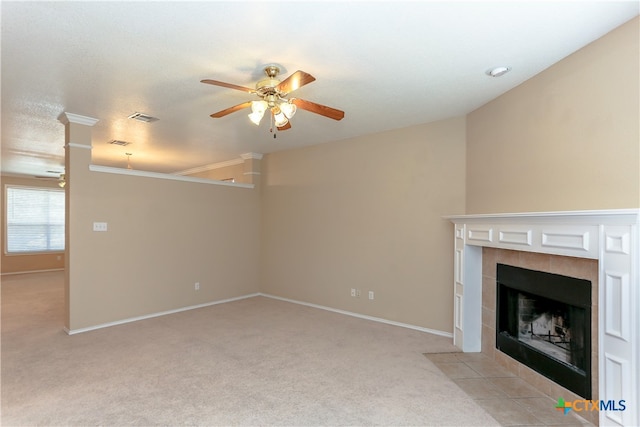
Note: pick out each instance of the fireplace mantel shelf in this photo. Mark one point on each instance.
(567, 233)
(610, 236)
(589, 215)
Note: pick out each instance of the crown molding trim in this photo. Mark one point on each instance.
(209, 167)
(66, 118)
(247, 156)
(157, 175)
(74, 145)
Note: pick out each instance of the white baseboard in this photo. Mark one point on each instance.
(31, 271)
(363, 316)
(321, 307)
(150, 316)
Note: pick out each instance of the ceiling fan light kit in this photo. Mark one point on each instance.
(279, 117)
(257, 111)
(288, 109)
(273, 97)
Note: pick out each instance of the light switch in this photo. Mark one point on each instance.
(99, 226)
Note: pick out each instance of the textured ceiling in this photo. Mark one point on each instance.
(386, 64)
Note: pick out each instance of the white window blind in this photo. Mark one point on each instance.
(35, 219)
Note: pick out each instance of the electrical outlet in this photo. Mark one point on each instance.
(353, 292)
(370, 294)
(358, 293)
(197, 286)
(99, 226)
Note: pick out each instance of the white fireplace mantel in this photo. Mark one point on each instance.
(610, 236)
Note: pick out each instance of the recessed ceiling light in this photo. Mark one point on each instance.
(498, 71)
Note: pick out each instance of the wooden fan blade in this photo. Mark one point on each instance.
(228, 85)
(294, 81)
(285, 127)
(323, 110)
(231, 110)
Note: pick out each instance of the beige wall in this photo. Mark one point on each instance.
(22, 263)
(567, 139)
(163, 236)
(367, 213)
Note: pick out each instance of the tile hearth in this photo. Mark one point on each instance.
(507, 398)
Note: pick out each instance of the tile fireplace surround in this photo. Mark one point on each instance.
(607, 241)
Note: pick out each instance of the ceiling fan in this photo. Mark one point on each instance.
(273, 97)
(60, 178)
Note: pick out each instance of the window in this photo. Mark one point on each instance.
(35, 220)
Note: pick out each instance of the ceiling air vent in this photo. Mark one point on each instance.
(118, 142)
(141, 117)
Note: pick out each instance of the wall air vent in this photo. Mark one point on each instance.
(141, 117)
(118, 142)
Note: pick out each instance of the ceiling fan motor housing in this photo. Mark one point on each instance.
(268, 86)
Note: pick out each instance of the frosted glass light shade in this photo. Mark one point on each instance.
(256, 117)
(280, 119)
(259, 107)
(288, 109)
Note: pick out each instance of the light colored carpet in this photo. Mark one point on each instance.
(257, 361)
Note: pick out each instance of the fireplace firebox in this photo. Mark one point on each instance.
(544, 321)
